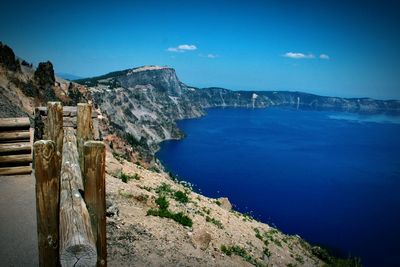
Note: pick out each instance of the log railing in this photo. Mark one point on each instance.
(70, 211)
(15, 146)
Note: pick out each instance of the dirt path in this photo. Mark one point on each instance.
(18, 242)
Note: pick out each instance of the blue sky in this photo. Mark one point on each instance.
(339, 48)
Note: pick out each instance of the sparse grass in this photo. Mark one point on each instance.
(299, 259)
(125, 194)
(207, 211)
(154, 169)
(241, 252)
(119, 157)
(215, 221)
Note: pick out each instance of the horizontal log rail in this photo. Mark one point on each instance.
(15, 122)
(15, 147)
(15, 170)
(23, 158)
(15, 135)
(68, 111)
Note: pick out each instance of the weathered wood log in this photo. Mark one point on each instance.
(15, 135)
(95, 194)
(15, 170)
(15, 122)
(47, 202)
(55, 131)
(15, 147)
(21, 158)
(69, 111)
(84, 128)
(77, 245)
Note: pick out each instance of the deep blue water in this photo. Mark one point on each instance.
(333, 178)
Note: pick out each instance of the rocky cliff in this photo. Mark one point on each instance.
(23, 87)
(147, 101)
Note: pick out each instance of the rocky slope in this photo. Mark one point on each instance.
(147, 101)
(23, 87)
(216, 235)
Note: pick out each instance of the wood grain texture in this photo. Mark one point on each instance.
(55, 131)
(47, 202)
(84, 128)
(14, 135)
(15, 122)
(15, 147)
(95, 197)
(22, 158)
(15, 170)
(77, 245)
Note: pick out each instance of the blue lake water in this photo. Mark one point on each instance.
(333, 178)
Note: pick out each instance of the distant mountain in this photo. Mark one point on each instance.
(147, 101)
(68, 76)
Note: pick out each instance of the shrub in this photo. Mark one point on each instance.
(162, 202)
(241, 252)
(164, 189)
(163, 212)
(181, 197)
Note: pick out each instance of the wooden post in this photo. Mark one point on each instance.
(95, 195)
(47, 202)
(77, 245)
(84, 128)
(55, 131)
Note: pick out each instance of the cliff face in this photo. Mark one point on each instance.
(147, 101)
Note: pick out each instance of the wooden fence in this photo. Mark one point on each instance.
(70, 188)
(15, 146)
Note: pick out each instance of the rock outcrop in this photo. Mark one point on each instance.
(8, 59)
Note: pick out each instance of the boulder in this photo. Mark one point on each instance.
(225, 203)
(201, 239)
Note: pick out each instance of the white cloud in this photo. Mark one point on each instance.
(298, 55)
(182, 48)
(187, 47)
(208, 55)
(324, 56)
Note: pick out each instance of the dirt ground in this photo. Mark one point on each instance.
(18, 242)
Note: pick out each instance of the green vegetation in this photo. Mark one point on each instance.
(125, 194)
(163, 212)
(132, 141)
(181, 196)
(154, 169)
(218, 203)
(214, 221)
(125, 177)
(241, 252)
(164, 189)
